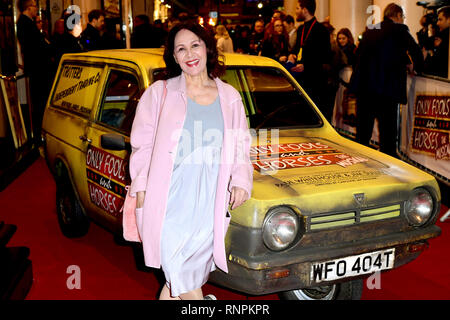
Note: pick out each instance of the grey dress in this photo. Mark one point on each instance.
(187, 234)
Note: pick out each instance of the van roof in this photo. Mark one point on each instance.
(154, 57)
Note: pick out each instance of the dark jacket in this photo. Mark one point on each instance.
(275, 46)
(381, 63)
(256, 40)
(316, 53)
(91, 39)
(37, 53)
(437, 64)
(349, 52)
(67, 43)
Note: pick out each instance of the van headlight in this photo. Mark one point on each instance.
(280, 229)
(419, 207)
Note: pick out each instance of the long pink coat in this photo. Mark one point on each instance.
(151, 164)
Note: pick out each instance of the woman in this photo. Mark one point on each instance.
(276, 41)
(183, 193)
(224, 41)
(347, 45)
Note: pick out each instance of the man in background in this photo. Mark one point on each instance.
(439, 61)
(91, 37)
(291, 29)
(311, 56)
(37, 60)
(257, 37)
(379, 78)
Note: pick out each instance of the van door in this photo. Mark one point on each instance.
(107, 169)
(67, 118)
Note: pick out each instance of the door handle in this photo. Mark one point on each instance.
(85, 139)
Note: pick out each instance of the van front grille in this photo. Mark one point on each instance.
(328, 221)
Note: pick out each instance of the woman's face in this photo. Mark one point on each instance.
(190, 53)
(343, 40)
(278, 26)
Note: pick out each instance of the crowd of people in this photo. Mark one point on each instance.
(42, 52)
(434, 39)
(314, 53)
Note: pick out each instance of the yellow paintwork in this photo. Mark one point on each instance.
(309, 191)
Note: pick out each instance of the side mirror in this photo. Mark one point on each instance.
(113, 141)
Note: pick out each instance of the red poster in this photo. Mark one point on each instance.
(299, 155)
(431, 126)
(106, 180)
(104, 199)
(106, 164)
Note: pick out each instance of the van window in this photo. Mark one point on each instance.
(270, 98)
(119, 103)
(77, 88)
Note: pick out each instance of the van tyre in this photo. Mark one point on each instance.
(71, 218)
(351, 290)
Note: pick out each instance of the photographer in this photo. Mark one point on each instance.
(426, 34)
(441, 42)
(436, 62)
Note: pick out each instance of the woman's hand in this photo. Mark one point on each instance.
(140, 196)
(238, 197)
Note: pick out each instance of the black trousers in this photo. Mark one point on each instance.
(321, 94)
(39, 90)
(371, 107)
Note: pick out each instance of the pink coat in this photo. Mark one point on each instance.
(151, 164)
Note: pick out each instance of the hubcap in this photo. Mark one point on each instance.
(318, 293)
(64, 206)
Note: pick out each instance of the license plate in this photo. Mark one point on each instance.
(352, 266)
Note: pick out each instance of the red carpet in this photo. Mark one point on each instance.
(108, 270)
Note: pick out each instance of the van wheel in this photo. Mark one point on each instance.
(351, 290)
(72, 221)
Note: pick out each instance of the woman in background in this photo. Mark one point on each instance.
(276, 41)
(347, 45)
(224, 41)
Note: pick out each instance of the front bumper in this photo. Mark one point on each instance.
(254, 275)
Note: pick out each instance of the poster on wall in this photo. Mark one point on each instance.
(111, 8)
(10, 100)
(425, 134)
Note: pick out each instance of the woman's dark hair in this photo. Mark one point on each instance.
(346, 32)
(215, 67)
(271, 34)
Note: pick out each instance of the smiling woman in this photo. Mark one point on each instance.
(214, 66)
(183, 222)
